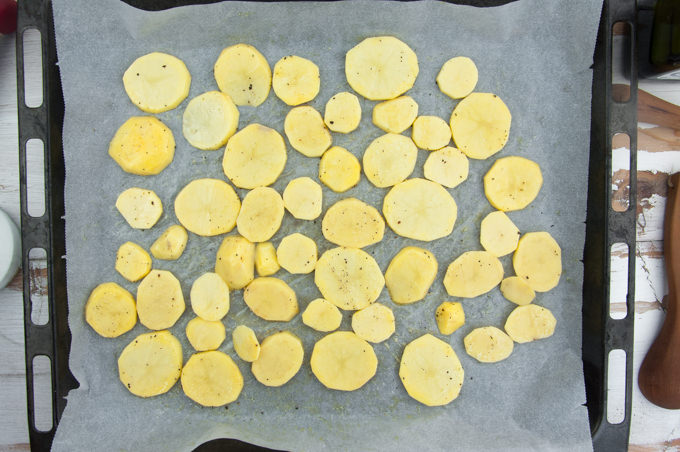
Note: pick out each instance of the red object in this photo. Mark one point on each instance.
(8, 16)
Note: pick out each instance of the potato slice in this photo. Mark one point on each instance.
(210, 297)
(457, 77)
(246, 345)
(243, 73)
(296, 80)
(448, 167)
(297, 254)
(480, 125)
(538, 260)
(488, 344)
(322, 315)
(157, 82)
(211, 378)
(410, 274)
(207, 207)
(389, 159)
(132, 261)
(512, 183)
(171, 244)
(498, 234)
(271, 299)
(381, 68)
(349, 278)
(254, 157)
(343, 361)
(141, 208)
(430, 371)
(209, 120)
(303, 198)
(352, 223)
(306, 131)
(515, 289)
(160, 302)
(343, 113)
(205, 335)
(143, 145)
(150, 364)
(449, 316)
(261, 214)
(280, 359)
(530, 322)
(266, 262)
(110, 310)
(235, 261)
(420, 209)
(396, 115)
(430, 133)
(339, 169)
(374, 323)
(472, 274)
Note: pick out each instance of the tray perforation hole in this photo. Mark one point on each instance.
(33, 68)
(621, 61)
(38, 286)
(618, 281)
(35, 177)
(616, 386)
(42, 393)
(620, 172)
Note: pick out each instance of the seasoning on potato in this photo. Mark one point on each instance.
(529, 323)
(143, 145)
(396, 115)
(243, 73)
(235, 261)
(266, 263)
(141, 208)
(246, 345)
(512, 183)
(343, 361)
(517, 290)
(339, 169)
(447, 166)
(297, 254)
(306, 131)
(171, 243)
(498, 234)
(430, 133)
(410, 274)
(389, 159)
(322, 315)
(488, 344)
(458, 77)
(209, 120)
(157, 82)
(280, 359)
(303, 198)
(260, 215)
(352, 223)
(210, 297)
(374, 323)
(160, 302)
(205, 335)
(132, 261)
(538, 260)
(296, 80)
(207, 207)
(480, 125)
(110, 310)
(449, 316)
(472, 274)
(211, 378)
(271, 299)
(342, 113)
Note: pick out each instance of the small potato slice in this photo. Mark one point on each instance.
(160, 301)
(260, 215)
(488, 344)
(209, 120)
(306, 132)
(205, 335)
(480, 125)
(472, 274)
(210, 297)
(143, 145)
(448, 167)
(141, 208)
(515, 289)
(457, 77)
(498, 234)
(538, 260)
(110, 310)
(322, 315)
(430, 371)
(171, 244)
(349, 278)
(207, 207)
(243, 73)
(430, 133)
(512, 183)
(389, 159)
(150, 364)
(339, 169)
(297, 254)
(271, 299)
(266, 262)
(420, 209)
(303, 198)
(254, 157)
(410, 274)
(281, 356)
(343, 113)
(381, 67)
(246, 345)
(157, 82)
(374, 323)
(211, 378)
(343, 361)
(396, 115)
(449, 316)
(132, 261)
(296, 80)
(353, 223)
(530, 322)
(235, 261)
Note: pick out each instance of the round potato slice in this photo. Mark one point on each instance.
(512, 183)
(343, 361)
(353, 223)
(132, 261)
(339, 169)
(207, 207)
(160, 302)
(266, 262)
(243, 73)
(448, 167)
(480, 125)
(110, 310)
(322, 315)
(430, 371)
(297, 254)
(306, 132)
(157, 82)
(538, 260)
(430, 133)
(205, 335)
(296, 80)
(303, 198)
(280, 359)
(246, 345)
(396, 115)
(235, 261)
(457, 77)
(389, 159)
(420, 209)
(141, 208)
(261, 214)
(343, 113)
(530, 322)
(211, 378)
(488, 344)
(170, 245)
(472, 274)
(143, 145)
(374, 323)
(254, 157)
(498, 234)
(515, 289)
(410, 274)
(449, 317)
(271, 299)
(210, 297)
(209, 120)
(381, 68)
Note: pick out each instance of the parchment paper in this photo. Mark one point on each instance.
(534, 54)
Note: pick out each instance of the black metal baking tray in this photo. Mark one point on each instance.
(604, 226)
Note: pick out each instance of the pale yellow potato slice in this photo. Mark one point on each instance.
(254, 157)
(303, 198)
(512, 183)
(430, 371)
(322, 315)
(297, 254)
(141, 208)
(209, 120)
(171, 243)
(266, 262)
(343, 361)
(235, 261)
(389, 159)
(420, 209)
(529, 323)
(281, 356)
(488, 344)
(211, 378)
(448, 167)
(157, 82)
(339, 169)
(271, 299)
(430, 133)
(205, 335)
(449, 316)
(296, 80)
(374, 323)
(349, 278)
(143, 145)
(480, 125)
(150, 364)
(410, 274)
(396, 115)
(472, 274)
(260, 215)
(110, 310)
(538, 260)
(458, 77)
(516, 289)
(243, 73)
(498, 234)
(246, 345)
(306, 131)
(381, 67)
(210, 297)
(343, 113)
(352, 223)
(207, 207)
(132, 261)
(160, 302)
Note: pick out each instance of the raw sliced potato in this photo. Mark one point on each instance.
(297, 254)
(171, 243)
(472, 274)
(141, 208)
(457, 77)
(143, 145)
(480, 125)
(530, 322)
(512, 183)
(498, 234)
(396, 115)
(349, 278)
(157, 82)
(374, 323)
(296, 80)
(150, 364)
(235, 261)
(420, 209)
(207, 207)
(538, 260)
(381, 67)
(488, 344)
(343, 361)
(410, 274)
(160, 302)
(342, 113)
(205, 335)
(280, 359)
(322, 315)
(303, 198)
(339, 169)
(246, 345)
(516, 289)
(260, 215)
(353, 223)
(306, 131)
(110, 310)
(211, 378)
(210, 297)
(132, 261)
(271, 299)
(430, 371)
(389, 159)
(254, 157)
(209, 120)
(430, 133)
(243, 73)
(449, 316)
(266, 262)
(448, 167)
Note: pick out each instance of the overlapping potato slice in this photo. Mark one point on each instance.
(235, 261)
(430, 133)
(306, 131)
(211, 378)
(389, 159)
(296, 80)
(254, 157)
(353, 223)
(281, 356)
(343, 361)
(143, 145)
(266, 262)
(396, 115)
(110, 310)
(132, 261)
(260, 215)
(246, 345)
(209, 120)
(410, 274)
(243, 73)
(472, 274)
(141, 208)
(339, 169)
(480, 125)
(517, 290)
(207, 207)
(458, 77)
(343, 113)
(205, 335)
(157, 82)
(448, 167)
(271, 299)
(512, 183)
(538, 260)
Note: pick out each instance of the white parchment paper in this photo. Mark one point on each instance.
(535, 54)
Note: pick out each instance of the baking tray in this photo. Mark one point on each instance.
(604, 226)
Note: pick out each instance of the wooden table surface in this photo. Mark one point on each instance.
(652, 428)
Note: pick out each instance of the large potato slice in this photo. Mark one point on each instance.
(480, 125)
(430, 133)
(296, 80)
(306, 131)
(538, 260)
(254, 157)
(160, 301)
(209, 120)
(207, 207)
(246, 345)
(322, 315)
(141, 208)
(243, 73)
(280, 359)
(297, 254)
(211, 379)
(374, 323)
(512, 183)
(110, 310)
(235, 261)
(171, 243)
(457, 77)
(410, 275)
(266, 262)
(261, 214)
(339, 169)
(157, 82)
(143, 145)
(530, 322)
(389, 159)
(488, 344)
(472, 274)
(132, 261)
(449, 316)
(353, 223)
(343, 361)
(210, 297)
(205, 335)
(448, 167)
(343, 113)
(396, 115)
(303, 198)
(498, 234)
(271, 299)
(515, 289)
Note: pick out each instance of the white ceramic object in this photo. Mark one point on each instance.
(10, 249)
